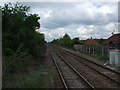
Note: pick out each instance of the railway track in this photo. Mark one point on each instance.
(106, 72)
(59, 72)
(77, 54)
(70, 77)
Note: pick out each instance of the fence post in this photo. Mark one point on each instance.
(89, 49)
(86, 49)
(102, 51)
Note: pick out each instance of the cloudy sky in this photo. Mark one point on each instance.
(81, 19)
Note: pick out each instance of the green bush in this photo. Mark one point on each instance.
(19, 35)
(98, 49)
(64, 41)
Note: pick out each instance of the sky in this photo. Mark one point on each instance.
(77, 19)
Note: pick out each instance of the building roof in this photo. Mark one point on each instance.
(114, 39)
(91, 42)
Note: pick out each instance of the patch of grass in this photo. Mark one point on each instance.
(101, 58)
(35, 79)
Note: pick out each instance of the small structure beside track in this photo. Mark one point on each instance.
(114, 57)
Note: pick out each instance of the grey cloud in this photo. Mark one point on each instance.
(49, 4)
(61, 17)
(66, 14)
(78, 15)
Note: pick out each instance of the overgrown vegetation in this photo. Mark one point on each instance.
(101, 58)
(98, 50)
(100, 41)
(39, 77)
(20, 39)
(66, 41)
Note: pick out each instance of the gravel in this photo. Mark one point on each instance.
(95, 78)
(71, 78)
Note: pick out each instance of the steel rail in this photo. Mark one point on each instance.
(59, 72)
(97, 70)
(88, 83)
(91, 61)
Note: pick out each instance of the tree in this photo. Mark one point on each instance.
(63, 41)
(101, 40)
(98, 49)
(19, 35)
(12, 22)
(76, 41)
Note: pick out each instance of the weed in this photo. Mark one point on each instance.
(35, 79)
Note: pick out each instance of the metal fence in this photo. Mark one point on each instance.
(91, 49)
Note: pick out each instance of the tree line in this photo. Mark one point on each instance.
(66, 41)
(19, 36)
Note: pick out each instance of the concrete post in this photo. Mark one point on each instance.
(102, 51)
(89, 49)
(86, 49)
(93, 50)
